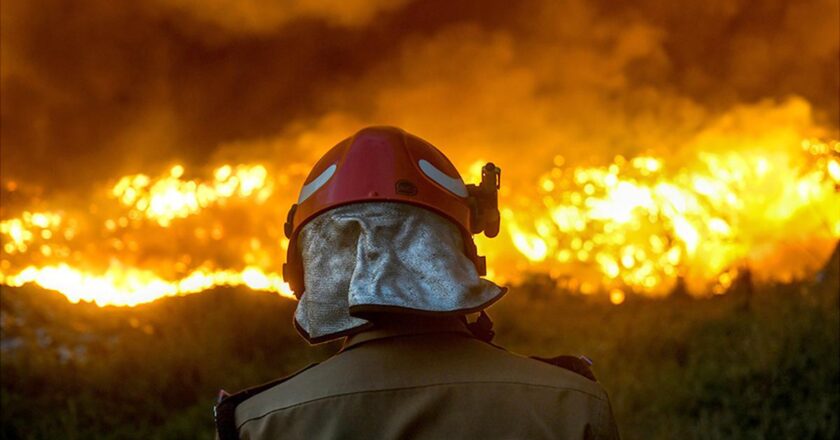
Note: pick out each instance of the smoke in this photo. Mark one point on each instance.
(242, 17)
(92, 90)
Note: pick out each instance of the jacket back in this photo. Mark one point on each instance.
(428, 383)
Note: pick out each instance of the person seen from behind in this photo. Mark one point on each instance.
(381, 254)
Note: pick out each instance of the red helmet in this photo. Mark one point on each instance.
(389, 165)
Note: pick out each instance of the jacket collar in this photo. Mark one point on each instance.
(394, 326)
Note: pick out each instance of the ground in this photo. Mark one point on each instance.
(760, 365)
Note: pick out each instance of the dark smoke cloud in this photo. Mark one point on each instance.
(725, 51)
(92, 89)
(243, 17)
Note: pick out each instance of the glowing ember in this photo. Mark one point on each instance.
(631, 224)
(170, 197)
(21, 232)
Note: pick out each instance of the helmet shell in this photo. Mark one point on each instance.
(384, 164)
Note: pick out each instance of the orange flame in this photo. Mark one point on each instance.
(631, 225)
(637, 225)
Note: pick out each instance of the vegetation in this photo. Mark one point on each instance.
(761, 365)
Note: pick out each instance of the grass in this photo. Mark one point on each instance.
(765, 365)
(727, 367)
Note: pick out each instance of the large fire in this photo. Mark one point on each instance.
(130, 242)
(632, 225)
(764, 204)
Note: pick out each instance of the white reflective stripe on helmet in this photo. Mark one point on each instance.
(452, 184)
(316, 183)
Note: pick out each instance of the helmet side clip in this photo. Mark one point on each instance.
(484, 201)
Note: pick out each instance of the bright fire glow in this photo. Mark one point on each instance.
(126, 286)
(763, 206)
(170, 197)
(630, 224)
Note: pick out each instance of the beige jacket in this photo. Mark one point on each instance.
(427, 381)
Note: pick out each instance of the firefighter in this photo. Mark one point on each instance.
(381, 253)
